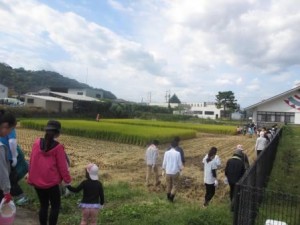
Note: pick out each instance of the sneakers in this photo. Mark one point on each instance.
(21, 201)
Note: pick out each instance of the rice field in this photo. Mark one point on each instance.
(120, 162)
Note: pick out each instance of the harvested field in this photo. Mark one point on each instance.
(123, 162)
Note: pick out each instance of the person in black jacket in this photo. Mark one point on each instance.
(93, 195)
(234, 170)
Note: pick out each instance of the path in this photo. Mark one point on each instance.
(26, 217)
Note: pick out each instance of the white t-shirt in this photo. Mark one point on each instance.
(216, 159)
(208, 167)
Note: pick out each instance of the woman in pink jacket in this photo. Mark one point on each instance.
(47, 169)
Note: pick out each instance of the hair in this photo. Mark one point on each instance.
(8, 118)
(49, 138)
(211, 154)
(174, 144)
(177, 139)
(155, 142)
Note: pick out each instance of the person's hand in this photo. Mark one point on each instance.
(7, 198)
(216, 183)
(163, 173)
(14, 162)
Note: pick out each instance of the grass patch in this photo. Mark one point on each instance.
(127, 205)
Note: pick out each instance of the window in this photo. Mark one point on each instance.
(80, 93)
(209, 113)
(30, 100)
(276, 117)
(198, 112)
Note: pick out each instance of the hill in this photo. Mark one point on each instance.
(23, 81)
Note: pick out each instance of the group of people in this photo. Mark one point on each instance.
(48, 169)
(173, 165)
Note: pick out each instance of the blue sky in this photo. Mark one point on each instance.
(193, 48)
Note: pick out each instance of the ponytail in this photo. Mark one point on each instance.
(49, 138)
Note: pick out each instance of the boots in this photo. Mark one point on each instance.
(169, 196)
(172, 198)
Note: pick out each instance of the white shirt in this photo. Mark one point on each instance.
(261, 143)
(172, 163)
(216, 159)
(208, 167)
(151, 155)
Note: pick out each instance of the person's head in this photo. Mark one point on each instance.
(177, 139)
(174, 144)
(239, 147)
(7, 122)
(92, 171)
(211, 154)
(52, 130)
(261, 134)
(155, 142)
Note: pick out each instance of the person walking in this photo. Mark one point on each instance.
(261, 143)
(234, 170)
(172, 166)
(93, 195)
(47, 169)
(10, 141)
(179, 149)
(210, 175)
(151, 157)
(7, 123)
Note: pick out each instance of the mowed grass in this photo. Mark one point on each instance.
(205, 128)
(116, 132)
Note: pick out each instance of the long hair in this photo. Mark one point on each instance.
(211, 154)
(49, 138)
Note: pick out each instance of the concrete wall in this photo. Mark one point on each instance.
(76, 91)
(37, 102)
(59, 106)
(87, 92)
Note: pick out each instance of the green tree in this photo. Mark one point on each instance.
(227, 101)
(174, 99)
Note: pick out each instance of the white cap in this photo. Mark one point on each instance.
(92, 170)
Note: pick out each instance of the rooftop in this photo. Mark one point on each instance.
(74, 97)
(48, 98)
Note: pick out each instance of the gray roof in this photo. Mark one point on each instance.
(48, 98)
(273, 98)
(74, 97)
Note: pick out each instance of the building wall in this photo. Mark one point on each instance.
(37, 102)
(87, 92)
(278, 105)
(206, 111)
(3, 91)
(58, 106)
(77, 91)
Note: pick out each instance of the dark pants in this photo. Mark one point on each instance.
(232, 186)
(258, 152)
(15, 189)
(210, 192)
(45, 196)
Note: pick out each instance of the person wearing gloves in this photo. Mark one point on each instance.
(7, 123)
(171, 168)
(210, 175)
(234, 170)
(47, 169)
(11, 143)
(151, 157)
(93, 195)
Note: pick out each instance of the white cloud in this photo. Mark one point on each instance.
(194, 48)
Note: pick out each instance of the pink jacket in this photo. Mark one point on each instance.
(47, 169)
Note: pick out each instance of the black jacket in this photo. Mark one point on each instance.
(235, 169)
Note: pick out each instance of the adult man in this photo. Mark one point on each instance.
(240, 151)
(234, 170)
(172, 165)
(7, 123)
(151, 162)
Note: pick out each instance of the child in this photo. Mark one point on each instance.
(93, 195)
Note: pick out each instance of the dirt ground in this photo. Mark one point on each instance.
(123, 162)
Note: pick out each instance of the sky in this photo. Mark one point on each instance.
(142, 48)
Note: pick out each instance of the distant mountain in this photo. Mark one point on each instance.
(23, 81)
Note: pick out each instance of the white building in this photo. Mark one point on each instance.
(86, 92)
(3, 91)
(282, 108)
(164, 104)
(49, 103)
(207, 110)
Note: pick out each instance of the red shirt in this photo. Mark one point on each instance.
(48, 168)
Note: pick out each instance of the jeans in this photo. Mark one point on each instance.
(45, 196)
